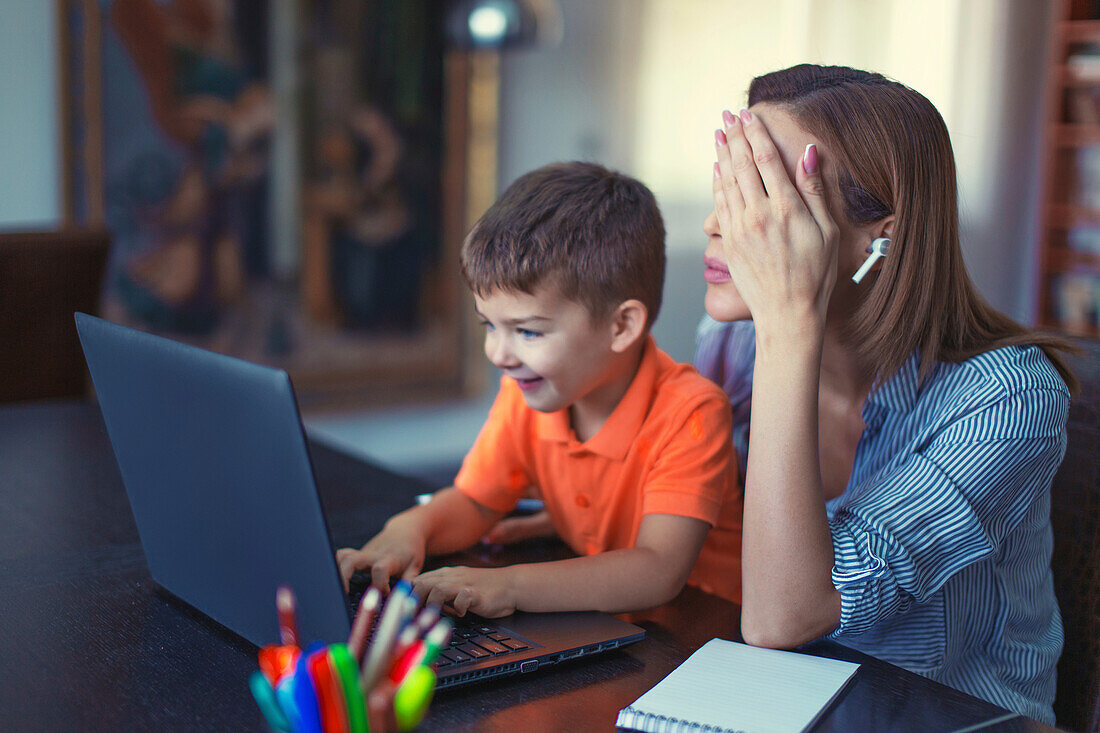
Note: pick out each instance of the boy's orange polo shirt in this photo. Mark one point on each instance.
(666, 449)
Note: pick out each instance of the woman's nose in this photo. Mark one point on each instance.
(710, 225)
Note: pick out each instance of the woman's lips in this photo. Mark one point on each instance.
(716, 271)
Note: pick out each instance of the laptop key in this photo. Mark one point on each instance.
(513, 644)
(456, 656)
(498, 636)
(494, 647)
(473, 650)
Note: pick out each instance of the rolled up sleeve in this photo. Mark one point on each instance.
(916, 523)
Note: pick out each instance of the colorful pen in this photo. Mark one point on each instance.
(305, 697)
(330, 694)
(422, 653)
(347, 668)
(360, 629)
(394, 615)
(409, 636)
(427, 618)
(412, 698)
(266, 700)
(277, 661)
(284, 695)
(288, 627)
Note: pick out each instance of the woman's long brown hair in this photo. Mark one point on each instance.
(893, 156)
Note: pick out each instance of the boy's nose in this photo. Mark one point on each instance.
(499, 352)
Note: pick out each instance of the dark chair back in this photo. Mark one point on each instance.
(44, 278)
(1075, 516)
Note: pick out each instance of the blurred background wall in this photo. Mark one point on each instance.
(639, 85)
(29, 159)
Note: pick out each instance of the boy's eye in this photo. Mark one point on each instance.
(528, 333)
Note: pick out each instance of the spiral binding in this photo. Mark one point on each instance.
(634, 719)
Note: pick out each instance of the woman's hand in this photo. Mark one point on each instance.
(779, 238)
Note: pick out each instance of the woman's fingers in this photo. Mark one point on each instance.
(812, 189)
(736, 164)
(766, 161)
(723, 213)
(724, 179)
(727, 176)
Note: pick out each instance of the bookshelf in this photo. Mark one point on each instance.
(1069, 237)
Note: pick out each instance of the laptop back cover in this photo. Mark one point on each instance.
(214, 460)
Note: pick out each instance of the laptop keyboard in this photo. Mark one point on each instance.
(474, 638)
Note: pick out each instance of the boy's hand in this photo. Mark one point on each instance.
(515, 529)
(484, 591)
(395, 551)
(450, 522)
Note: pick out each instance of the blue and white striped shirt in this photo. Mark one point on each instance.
(942, 538)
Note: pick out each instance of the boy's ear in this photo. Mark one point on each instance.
(628, 324)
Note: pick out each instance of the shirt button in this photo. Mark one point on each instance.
(582, 501)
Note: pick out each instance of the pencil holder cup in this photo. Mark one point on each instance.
(323, 689)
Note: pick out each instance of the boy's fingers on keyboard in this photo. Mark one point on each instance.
(441, 595)
(463, 601)
(346, 560)
(380, 576)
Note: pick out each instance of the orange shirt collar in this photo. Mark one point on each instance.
(618, 433)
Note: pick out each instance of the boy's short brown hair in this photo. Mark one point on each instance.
(594, 233)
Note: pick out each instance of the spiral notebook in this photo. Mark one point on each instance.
(726, 686)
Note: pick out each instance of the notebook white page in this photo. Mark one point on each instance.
(733, 686)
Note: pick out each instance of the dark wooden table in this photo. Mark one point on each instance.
(88, 642)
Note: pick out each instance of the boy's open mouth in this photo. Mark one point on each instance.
(526, 384)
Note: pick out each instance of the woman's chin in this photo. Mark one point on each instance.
(722, 305)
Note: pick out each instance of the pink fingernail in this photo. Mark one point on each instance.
(717, 173)
(809, 159)
(746, 117)
(720, 138)
(728, 118)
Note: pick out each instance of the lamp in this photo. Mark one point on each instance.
(499, 24)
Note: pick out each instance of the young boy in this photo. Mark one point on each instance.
(631, 451)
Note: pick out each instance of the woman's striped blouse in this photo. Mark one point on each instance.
(942, 538)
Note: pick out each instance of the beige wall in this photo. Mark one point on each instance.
(640, 84)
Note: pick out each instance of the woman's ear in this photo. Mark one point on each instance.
(867, 258)
(628, 324)
(885, 227)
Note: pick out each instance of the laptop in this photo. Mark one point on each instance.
(214, 460)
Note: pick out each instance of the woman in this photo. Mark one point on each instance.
(904, 434)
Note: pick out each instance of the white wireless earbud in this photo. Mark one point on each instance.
(879, 248)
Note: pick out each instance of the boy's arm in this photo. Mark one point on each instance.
(649, 574)
(450, 522)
